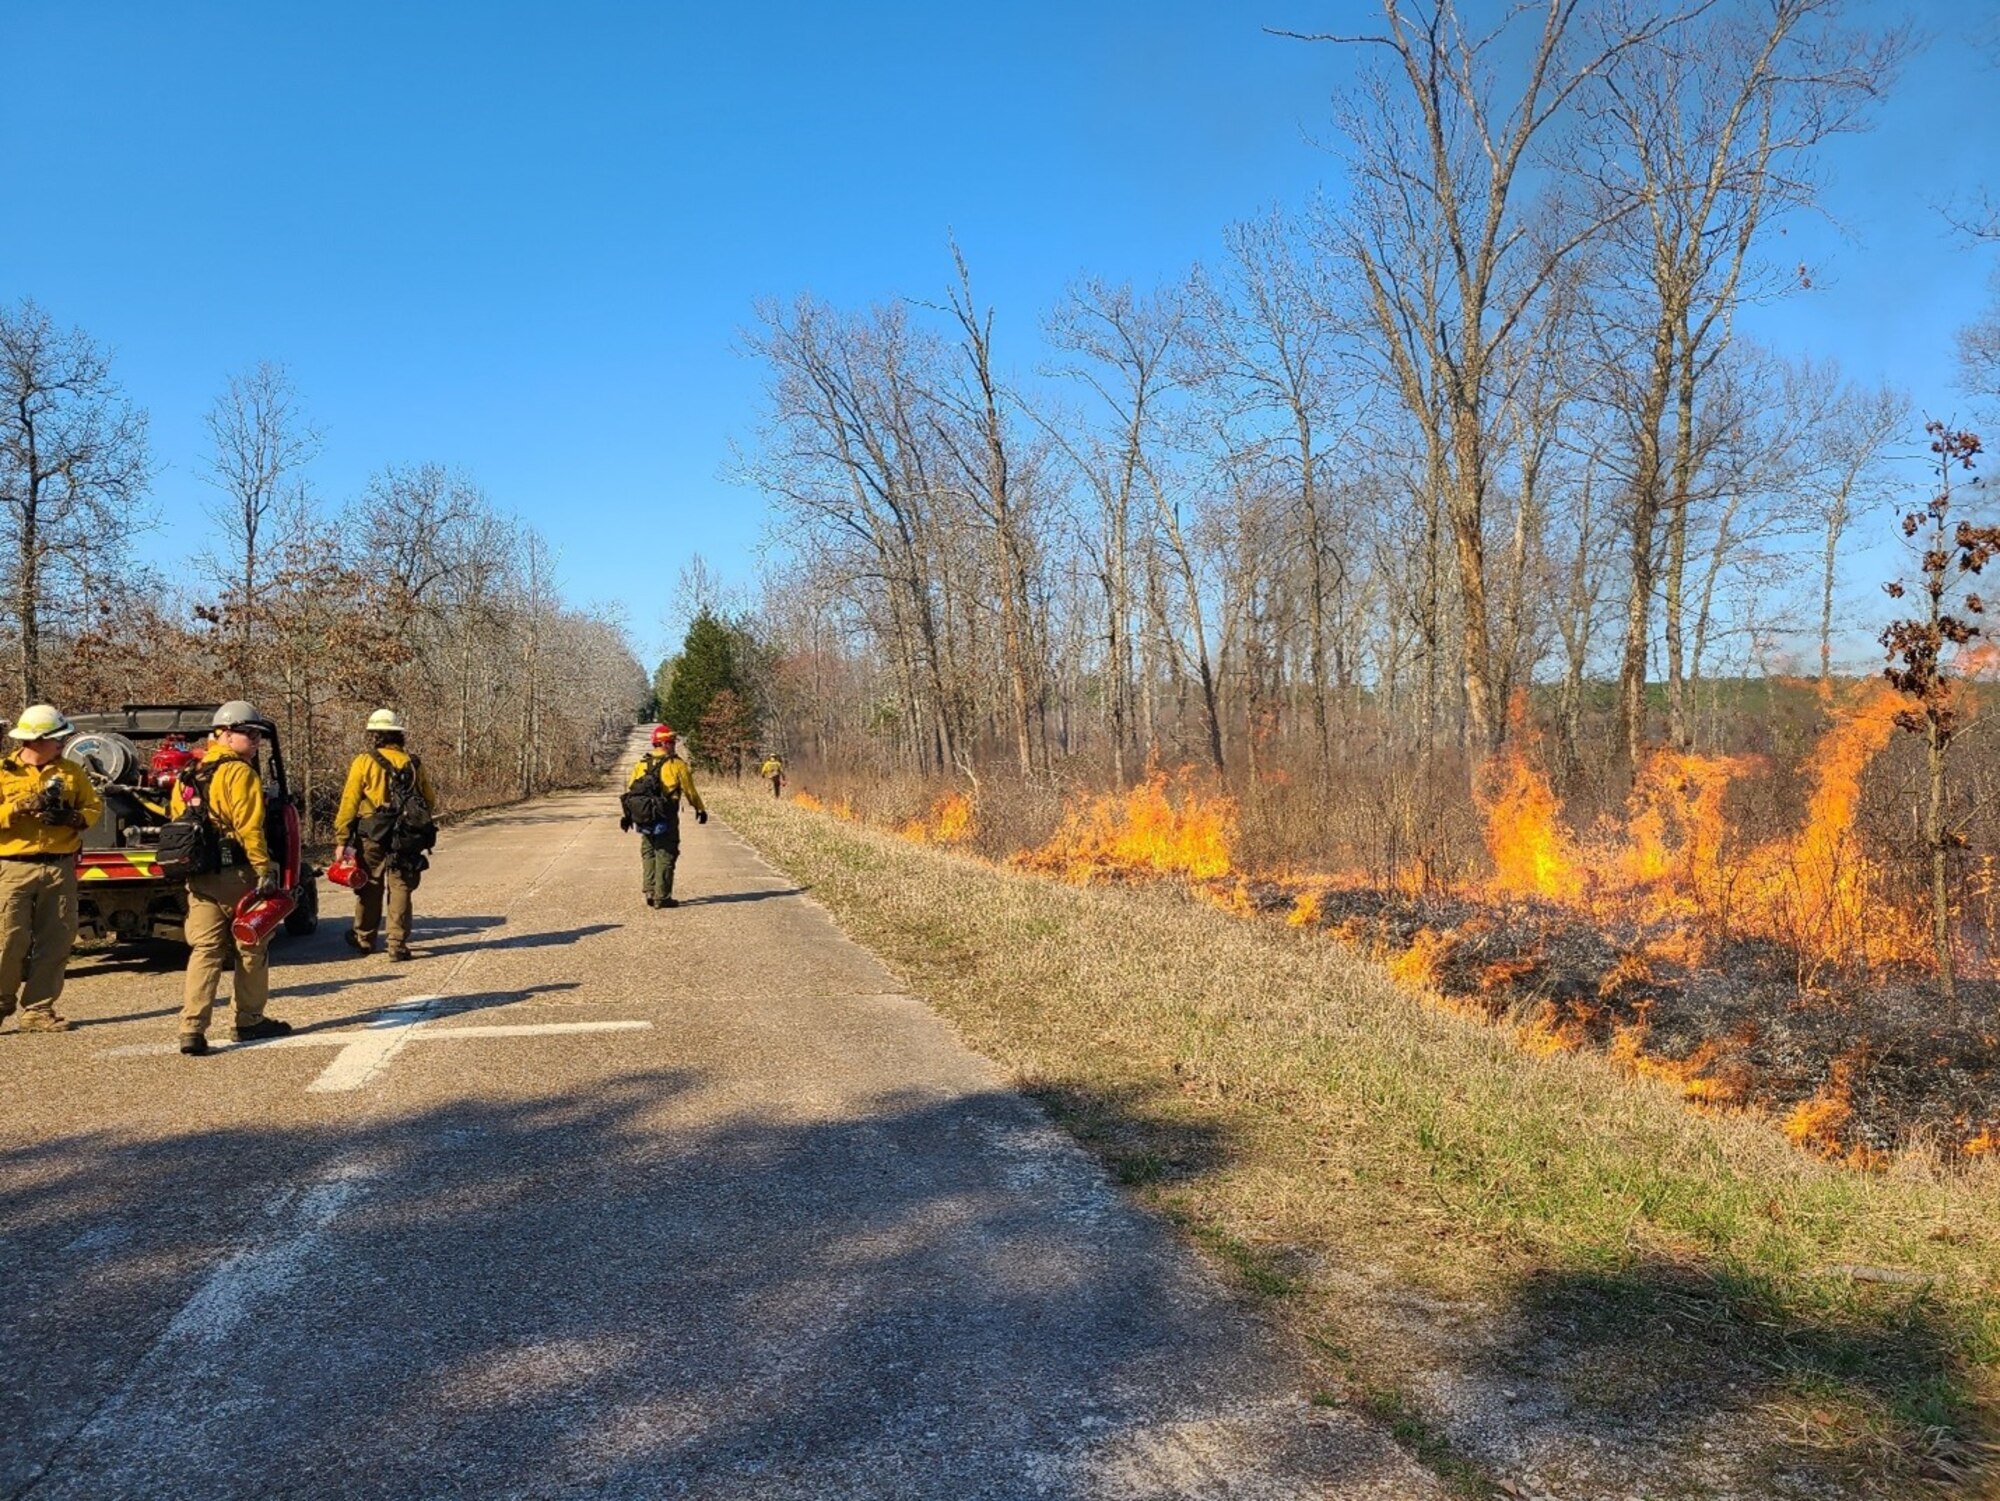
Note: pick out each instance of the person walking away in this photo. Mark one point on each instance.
(387, 824)
(45, 805)
(652, 805)
(225, 792)
(774, 769)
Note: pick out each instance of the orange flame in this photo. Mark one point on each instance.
(1532, 853)
(950, 821)
(1816, 1123)
(1819, 891)
(1157, 829)
(1674, 860)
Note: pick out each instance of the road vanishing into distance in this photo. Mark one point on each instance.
(596, 1200)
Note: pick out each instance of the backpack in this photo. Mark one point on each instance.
(190, 844)
(403, 823)
(647, 802)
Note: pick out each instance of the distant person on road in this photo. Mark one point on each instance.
(387, 824)
(45, 805)
(225, 789)
(774, 770)
(652, 805)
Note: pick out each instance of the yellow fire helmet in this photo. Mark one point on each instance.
(41, 722)
(387, 720)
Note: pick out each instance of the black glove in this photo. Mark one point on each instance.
(624, 825)
(270, 884)
(48, 804)
(72, 818)
(701, 815)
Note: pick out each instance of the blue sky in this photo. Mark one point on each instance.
(522, 239)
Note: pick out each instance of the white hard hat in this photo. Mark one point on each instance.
(41, 722)
(236, 712)
(387, 719)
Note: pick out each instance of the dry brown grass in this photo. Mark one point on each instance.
(1447, 1223)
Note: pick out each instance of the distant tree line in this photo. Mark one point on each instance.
(418, 592)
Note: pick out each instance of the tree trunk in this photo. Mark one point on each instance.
(1940, 843)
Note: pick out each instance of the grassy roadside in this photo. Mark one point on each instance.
(1535, 1269)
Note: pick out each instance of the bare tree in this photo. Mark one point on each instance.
(1702, 139)
(1121, 348)
(848, 460)
(1452, 258)
(981, 443)
(1125, 348)
(73, 467)
(262, 440)
(1842, 470)
(1979, 353)
(1272, 341)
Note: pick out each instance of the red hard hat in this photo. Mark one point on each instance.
(663, 734)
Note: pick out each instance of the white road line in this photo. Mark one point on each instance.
(366, 1051)
(361, 1061)
(531, 1029)
(227, 1294)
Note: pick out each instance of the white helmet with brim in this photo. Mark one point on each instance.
(41, 722)
(239, 713)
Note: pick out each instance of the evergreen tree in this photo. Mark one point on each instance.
(705, 667)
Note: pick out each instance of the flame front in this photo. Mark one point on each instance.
(950, 821)
(1161, 827)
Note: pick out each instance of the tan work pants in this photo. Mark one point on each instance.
(211, 908)
(38, 913)
(384, 880)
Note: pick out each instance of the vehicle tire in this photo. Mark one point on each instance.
(304, 918)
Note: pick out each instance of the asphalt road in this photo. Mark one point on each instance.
(593, 1200)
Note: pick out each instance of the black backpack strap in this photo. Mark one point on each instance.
(395, 773)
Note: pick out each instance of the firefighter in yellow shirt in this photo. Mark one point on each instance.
(228, 786)
(45, 805)
(774, 770)
(652, 805)
(367, 806)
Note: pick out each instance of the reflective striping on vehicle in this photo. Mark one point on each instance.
(137, 865)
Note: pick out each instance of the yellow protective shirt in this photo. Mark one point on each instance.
(368, 788)
(771, 768)
(21, 832)
(675, 775)
(235, 804)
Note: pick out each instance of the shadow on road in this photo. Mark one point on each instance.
(445, 1006)
(80, 1022)
(718, 898)
(281, 991)
(455, 925)
(617, 1293)
(424, 948)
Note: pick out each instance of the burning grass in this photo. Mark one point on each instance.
(1772, 975)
